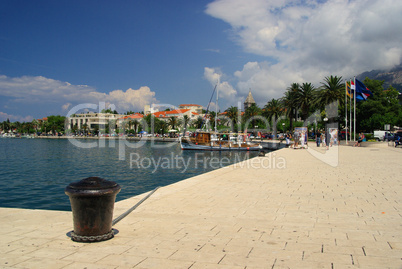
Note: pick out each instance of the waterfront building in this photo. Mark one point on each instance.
(177, 113)
(129, 119)
(93, 121)
(193, 108)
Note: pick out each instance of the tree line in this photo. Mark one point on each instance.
(299, 102)
(53, 125)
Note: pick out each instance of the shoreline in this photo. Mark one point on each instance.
(159, 139)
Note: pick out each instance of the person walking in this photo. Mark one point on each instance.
(306, 138)
(318, 138)
(323, 138)
(296, 139)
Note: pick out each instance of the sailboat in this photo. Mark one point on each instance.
(207, 140)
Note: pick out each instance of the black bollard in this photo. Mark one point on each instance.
(92, 203)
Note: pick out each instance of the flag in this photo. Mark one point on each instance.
(359, 97)
(349, 90)
(362, 90)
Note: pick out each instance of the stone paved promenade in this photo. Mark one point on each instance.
(294, 212)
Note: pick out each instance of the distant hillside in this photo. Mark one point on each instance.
(391, 77)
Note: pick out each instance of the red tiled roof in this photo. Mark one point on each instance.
(170, 113)
(133, 116)
(224, 113)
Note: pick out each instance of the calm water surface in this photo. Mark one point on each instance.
(35, 172)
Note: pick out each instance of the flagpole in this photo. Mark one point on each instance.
(216, 106)
(350, 111)
(346, 111)
(354, 110)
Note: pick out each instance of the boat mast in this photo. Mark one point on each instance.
(216, 106)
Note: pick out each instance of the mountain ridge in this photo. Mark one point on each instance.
(391, 77)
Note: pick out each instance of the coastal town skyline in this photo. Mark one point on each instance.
(55, 55)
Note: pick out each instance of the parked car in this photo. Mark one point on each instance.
(383, 136)
(389, 137)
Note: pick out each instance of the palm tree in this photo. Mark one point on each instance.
(135, 124)
(273, 110)
(147, 123)
(130, 124)
(35, 125)
(211, 117)
(162, 126)
(232, 113)
(289, 102)
(306, 98)
(185, 121)
(331, 91)
(85, 126)
(173, 122)
(250, 113)
(198, 123)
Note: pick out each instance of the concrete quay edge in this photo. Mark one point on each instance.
(288, 209)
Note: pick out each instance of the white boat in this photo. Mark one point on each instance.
(217, 141)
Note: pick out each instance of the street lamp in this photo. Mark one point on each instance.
(283, 127)
(325, 132)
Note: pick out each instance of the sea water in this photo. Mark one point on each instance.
(35, 172)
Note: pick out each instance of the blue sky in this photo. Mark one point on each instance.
(55, 55)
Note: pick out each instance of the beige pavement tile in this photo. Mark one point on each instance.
(23, 250)
(81, 265)
(6, 248)
(121, 260)
(201, 265)
(5, 239)
(104, 247)
(352, 250)
(380, 262)
(149, 251)
(235, 260)
(49, 253)
(197, 256)
(41, 263)
(31, 242)
(85, 256)
(381, 251)
(289, 264)
(150, 263)
(344, 259)
(7, 260)
(395, 245)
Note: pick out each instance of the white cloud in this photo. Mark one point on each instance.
(128, 100)
(65, 107)
(40, 91)
(307, 40)
(5, 116)
(28, 89)
(226, 91)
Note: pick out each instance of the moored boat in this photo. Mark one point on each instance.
(217, 141)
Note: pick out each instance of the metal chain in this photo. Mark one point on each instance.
(92, 238)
